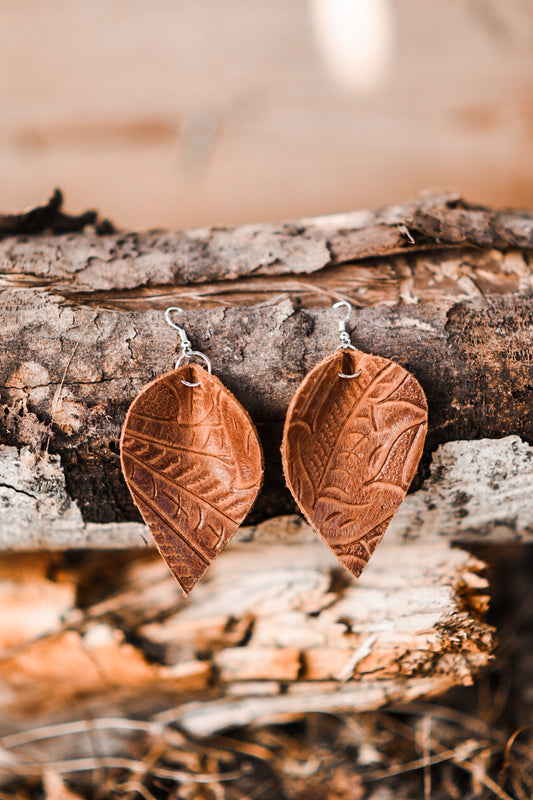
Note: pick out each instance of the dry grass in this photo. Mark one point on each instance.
(429, 751)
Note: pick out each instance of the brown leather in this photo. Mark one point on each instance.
(351, 448)
(194, 466)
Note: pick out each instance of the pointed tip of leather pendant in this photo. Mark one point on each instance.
(187, 586)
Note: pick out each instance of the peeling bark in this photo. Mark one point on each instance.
(83, 329)
(475, 492)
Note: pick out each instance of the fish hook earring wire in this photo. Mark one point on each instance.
(186, 347)
(345, 343)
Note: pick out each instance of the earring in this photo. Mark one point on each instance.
(192, 460)
(352, 440)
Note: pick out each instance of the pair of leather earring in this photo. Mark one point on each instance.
(352, 440)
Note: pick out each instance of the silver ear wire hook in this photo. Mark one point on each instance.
(344, 336)
(186, 347)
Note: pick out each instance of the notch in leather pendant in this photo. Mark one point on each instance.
(353, 438)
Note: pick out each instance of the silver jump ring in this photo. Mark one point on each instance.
(347, 347)
(189, 355)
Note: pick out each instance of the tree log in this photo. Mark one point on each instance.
(443, 287)
(268, 632)
(475, 492)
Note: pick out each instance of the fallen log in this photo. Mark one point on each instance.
(442, 287)
(475, 492)
(271, 630)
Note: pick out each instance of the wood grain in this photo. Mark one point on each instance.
(137, 647)
(194, 466)
(475, 492)
(351, 448)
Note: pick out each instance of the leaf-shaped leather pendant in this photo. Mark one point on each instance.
(351, 448)
(194, 466)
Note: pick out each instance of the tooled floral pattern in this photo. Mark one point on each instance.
(193, 463)
(351, 448)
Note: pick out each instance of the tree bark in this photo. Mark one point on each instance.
(476, 492)
(440, 286)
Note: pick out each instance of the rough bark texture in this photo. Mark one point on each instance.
(268, 631)
(476, 492)
(440, 287)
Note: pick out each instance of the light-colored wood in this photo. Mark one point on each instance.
(271, 630)
(476, 491)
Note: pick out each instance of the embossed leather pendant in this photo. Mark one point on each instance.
(193, 463)
(351, 448)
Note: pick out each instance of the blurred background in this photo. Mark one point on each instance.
(175, 113)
